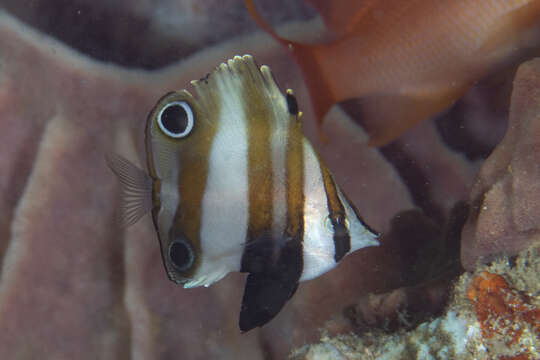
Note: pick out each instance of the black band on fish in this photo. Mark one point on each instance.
(292, 105)
(342, 238)
(272, 281)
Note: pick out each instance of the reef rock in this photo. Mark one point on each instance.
(505, 211)
(494, 315)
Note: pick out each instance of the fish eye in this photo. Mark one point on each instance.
(176, 119)
(181, 255)
(329, 225)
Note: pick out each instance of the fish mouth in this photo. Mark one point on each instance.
(177, 279)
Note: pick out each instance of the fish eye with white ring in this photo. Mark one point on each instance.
(176, 119)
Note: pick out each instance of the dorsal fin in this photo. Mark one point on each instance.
(322, 97)
(241, 78)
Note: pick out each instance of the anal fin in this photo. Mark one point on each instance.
(265, 295)
(275, 267)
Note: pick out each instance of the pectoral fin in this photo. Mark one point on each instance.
(136, 189)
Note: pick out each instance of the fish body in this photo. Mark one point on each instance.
(407, 60)
(233, 185)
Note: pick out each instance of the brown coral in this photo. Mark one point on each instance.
(505, 214)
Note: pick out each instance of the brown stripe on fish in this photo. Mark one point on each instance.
(292, 245)
(295, 180)
(270, 286)
(337, 216)
(295, 193)
(151, 164)
(194, 166)
(260, 118)
(267, 120)
(180, 166)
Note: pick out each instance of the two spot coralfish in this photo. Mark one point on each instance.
(233, 185)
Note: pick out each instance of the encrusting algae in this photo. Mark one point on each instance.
(505, 314)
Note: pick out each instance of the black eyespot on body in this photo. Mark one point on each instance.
(176, 119)
(181, 255)
(292, 105)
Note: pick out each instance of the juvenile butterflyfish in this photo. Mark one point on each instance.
(233, 185)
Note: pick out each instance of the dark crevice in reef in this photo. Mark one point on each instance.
(426, 248)
(428, 244)
(411, 172)
(453, 129)
(403, 308)
(429, 264)
(452, 233)
(485, 106)
(413, 176)
(99, 30)
(266, 348)
(138, 36)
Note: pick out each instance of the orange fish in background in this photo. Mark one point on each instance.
(408, 60)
